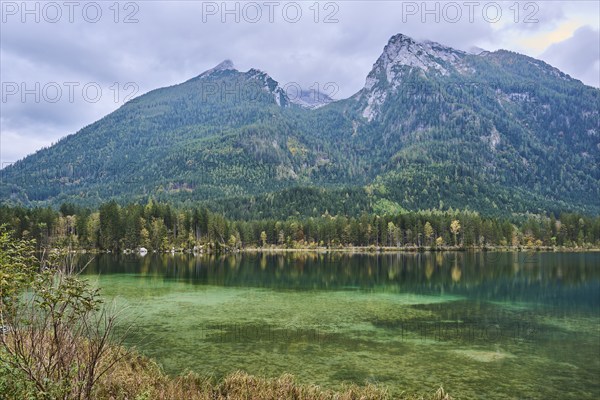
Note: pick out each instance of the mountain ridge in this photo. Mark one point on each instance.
(433, 127)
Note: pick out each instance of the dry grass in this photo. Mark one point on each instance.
(135, 377)
(138, 378)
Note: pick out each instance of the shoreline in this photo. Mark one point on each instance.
(370, 250)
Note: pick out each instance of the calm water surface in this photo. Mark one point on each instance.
(482, 325)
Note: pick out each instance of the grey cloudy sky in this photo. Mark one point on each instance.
(65, 64)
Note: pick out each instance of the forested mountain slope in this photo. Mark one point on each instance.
(433, 127)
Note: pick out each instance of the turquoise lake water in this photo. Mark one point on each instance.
(482, 325)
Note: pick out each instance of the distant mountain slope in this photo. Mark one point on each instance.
(433, 127)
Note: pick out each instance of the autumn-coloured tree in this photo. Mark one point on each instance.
(428, 231)
(455, 229)
(263, 238)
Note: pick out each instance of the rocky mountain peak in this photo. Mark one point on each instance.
(401, 55)
(402, 50)
(222, 66)
(226, 64)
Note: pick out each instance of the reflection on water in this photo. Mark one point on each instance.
(412, 321)
(562, 279)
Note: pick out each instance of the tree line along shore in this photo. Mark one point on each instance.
(160, 227)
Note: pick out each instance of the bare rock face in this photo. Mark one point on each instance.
(401, 55)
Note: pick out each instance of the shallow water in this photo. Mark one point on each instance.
(482, 325)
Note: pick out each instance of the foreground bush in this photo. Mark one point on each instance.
(54, 328)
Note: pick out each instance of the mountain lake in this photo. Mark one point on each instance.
(483, 325)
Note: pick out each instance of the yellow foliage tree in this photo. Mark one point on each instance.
(428, 231)
(455, 229)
